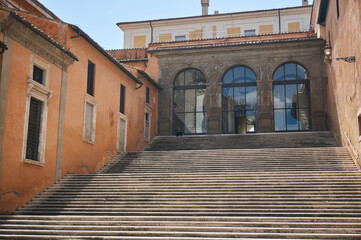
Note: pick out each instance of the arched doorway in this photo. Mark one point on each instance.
(291, 98)
(239, 101)
(189, 112)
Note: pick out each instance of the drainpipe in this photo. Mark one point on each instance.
(279, 20)
(151, 32)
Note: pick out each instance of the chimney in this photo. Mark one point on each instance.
(216, 12)
(304, 2)
(205, 5)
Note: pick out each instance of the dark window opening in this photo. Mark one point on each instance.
(33, 139)
(38, 74)
(90, 82)
(147, 95)
(122, 99)
(338, 9)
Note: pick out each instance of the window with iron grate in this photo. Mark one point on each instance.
(33, 139)
(90, 82)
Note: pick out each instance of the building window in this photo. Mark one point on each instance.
(180, 38)
(338, 9)
(90, 81)
(89, 120)
(239, 101)
(291, 98)
(147, 122)
(250, 32)
(34, 124)
(36, 112)
(189, 114)
(122, 99)
(147, 95)
(38, 74)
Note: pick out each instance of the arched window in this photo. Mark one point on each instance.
(189, 102)
(239, 101)
(291, 98)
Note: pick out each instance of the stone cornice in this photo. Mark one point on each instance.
(32, 40)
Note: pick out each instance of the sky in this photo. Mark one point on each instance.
(98, 18)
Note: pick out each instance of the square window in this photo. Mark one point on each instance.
(38, 74)
(251, 32)
(180, 38)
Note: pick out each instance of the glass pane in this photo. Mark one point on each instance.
(280, 120)
(178, 101)
(304, 119)
(179, 81)
(227, 99)
(279, 74)
(251, 121)
(250, 76)
(201, 123)
(178, 121)
(290, 71)
(278, 96)
(228, 78)
(291, 96)
(228, 122)
(301, 73)
(200, 100)
(303, 96)
(239, 75)
(240, 96)
(251, 97)
(190, 100)
(200, 78)
(292, 116)
(189, 124)
(189, 77)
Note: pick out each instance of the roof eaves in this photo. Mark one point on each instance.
(150, 79)
(43, 35)
(102, 51)
(234, 44)
(208, 16)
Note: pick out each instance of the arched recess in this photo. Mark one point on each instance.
(291, 98)
(189, 113)
(239, 101)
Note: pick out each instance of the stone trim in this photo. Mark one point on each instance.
(4, 80)
(122, 117)
(90, 100)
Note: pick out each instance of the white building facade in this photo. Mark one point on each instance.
(263, 22)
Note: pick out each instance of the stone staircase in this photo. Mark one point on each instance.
(279, 191)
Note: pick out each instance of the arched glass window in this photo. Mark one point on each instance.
(239, 101)
(189, 102)
(291, 98)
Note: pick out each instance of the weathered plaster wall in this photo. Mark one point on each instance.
(263, 59)
(19, 181)
(344, 83)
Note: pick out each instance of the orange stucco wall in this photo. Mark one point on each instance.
(344, 79)
(19, 181)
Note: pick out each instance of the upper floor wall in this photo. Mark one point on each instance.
(140, 34)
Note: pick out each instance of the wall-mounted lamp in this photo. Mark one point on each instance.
(328, 56)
